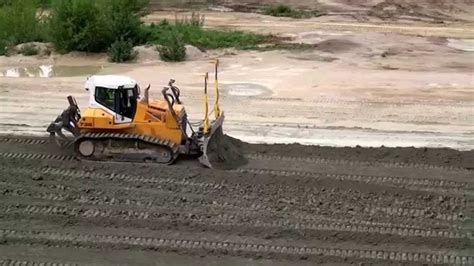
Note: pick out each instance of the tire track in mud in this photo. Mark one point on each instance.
(25, 141)
(103, 197)
(414, 210)
(416, 184)
(228, 247)
(133, 179)
(8, 262)
(247, 215)
(306, 197)
(441, 184)
(137, 208)
(191, 216)
(253, 156)
(37, 156)
(275, 157)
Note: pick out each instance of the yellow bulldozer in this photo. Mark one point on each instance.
(122, 124)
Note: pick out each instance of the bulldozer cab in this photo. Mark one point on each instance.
(117, 95)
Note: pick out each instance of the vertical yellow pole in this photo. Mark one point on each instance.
(217, 109)
(206, 105)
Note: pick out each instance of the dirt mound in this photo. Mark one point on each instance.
(146, 53)
(193, 53)
(225, 152)
(39, 48)
(419, 10)
(336, 46)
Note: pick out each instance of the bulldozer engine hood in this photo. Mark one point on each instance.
(162, 106)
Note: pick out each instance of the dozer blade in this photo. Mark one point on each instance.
(218, 150)
(67, 121)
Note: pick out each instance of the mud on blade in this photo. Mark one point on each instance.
(220, 151)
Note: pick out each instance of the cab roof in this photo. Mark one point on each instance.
(110, 81)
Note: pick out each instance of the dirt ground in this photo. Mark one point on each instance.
(281, 208)
(380, 73)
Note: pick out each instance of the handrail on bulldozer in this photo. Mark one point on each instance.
(206, 106)
(217, 109)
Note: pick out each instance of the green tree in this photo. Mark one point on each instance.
(19, 23)
(121, 51)
(123, 19)
(174, 50)
(93, 25)
(79, 25)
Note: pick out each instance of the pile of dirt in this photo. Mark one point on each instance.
(431, 156)
(394, 10)
(35, 48)
(193, 53)
(146, 54)
(225, 152)
(336, 46)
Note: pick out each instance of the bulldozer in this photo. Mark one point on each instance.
(123, 124)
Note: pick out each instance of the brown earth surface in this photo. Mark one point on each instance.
(322, 205)
(363, 10)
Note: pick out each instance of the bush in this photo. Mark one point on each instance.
(123, 20)
(203, 38)
(283, 11)
(78, 25)
(3, 47)
(29, 50)
(174, 50)
(5, 2)
(19, 23)
(92, 25)
(121, 51)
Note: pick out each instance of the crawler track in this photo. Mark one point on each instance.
(153, 149)
(9, 262)
(226, 247)
(282, 207)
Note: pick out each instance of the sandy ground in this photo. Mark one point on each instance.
(367, 84)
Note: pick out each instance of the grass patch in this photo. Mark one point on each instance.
(191, 31)
(19, 24)
(205, 38)
(283, 11)
(287, 11)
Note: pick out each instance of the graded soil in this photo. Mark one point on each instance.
(289, 204)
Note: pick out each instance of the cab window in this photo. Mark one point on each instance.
(127, 102)
(121, 101)
(105, 97)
